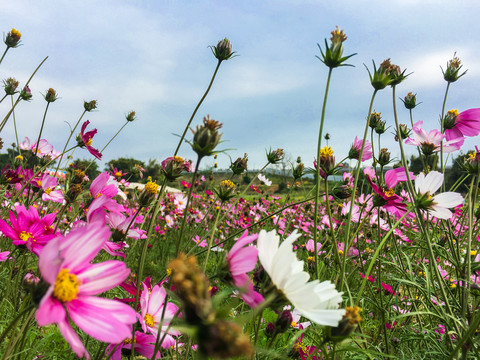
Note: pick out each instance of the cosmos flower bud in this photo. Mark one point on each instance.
(275, 156)
(397, 75)
(192, 288)
(172, 167)
(148, 194)
(380, 128)
(449, 119)
(226, 190)
(347, 325)
(239, 165)
(453, 68)
(342, 192)
(130, 116)
(12, 40)
(50, 96)
(284, 321)
(90, 105)
(404, 132)
(472, 162)
(10, 86)
(223, 50)
(327, 159)
(384, 157)
(224, 340)
(270, 330)
(327, 136)
(26, 94)
(298, 171)
(73, 192)
(333, 52)
(206, 137)
(1, 143)
(410, 101)
(373, 119)
(381, 77)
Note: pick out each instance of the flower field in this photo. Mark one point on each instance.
(381, 264)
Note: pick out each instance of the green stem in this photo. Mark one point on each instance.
(15, 128)
(317, 190)
(332, 230)
(4, 53)
(14, 322)
(196, 108)
(41, 128)
(442, 129)
(68, 140)
(211, 237)
(355, 184)
(185, 212)
(20, 333)
(4, 121)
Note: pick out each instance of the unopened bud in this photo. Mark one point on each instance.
(50, 96)
(26, 94)
(12, 40)
(130, 116)
(284, 321)
(275, 156)
(10, 86)
(90, 105)
(223, 50)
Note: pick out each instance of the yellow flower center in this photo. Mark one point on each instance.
(16, 33)
(118, 174)
(227, 184)
(39, 183)
(294, 324)
(66, 286)
(89, 142)
(453, 112)
(473, 252)
(19, 158)
(25, 236)
(169, 271)
(326, 151)
(151, 188)
(178, 159)
(48, 191)
(149, 320)
(389, 192)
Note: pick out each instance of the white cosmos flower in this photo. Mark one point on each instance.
(264, 180)
(441, 203)
(315, 300)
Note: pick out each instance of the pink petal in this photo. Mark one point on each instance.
(98, 278)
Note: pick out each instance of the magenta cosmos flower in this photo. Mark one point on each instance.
(65, 265)
(85, 140)
(356, 148)
(241, 260)
(467, 123)
(386, 196)
(48, 185)
(28, 229)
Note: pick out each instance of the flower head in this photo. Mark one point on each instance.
(206, 137)
(333, 52)
(12, 40)
(432, 141)
(10, 86)
(73, 281)
(356, 149)
(50, 96)
(467, 123)
(314, 300)
(85, 140)
(223, 50)
(436, 205)
(451, 74)
(173, 166)
(239, 165)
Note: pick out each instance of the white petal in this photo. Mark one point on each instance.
(440, 212)
(433, 181)
(448, 199)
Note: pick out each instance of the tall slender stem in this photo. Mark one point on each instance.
(4, 121)
(196, 108)
(212, 236)
(15, 128)
(4, 53)
(355, 184)
(442, 129)
(41, 128)
(68, 140)
(317, 190)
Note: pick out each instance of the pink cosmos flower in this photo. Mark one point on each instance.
(65, 264)
(438, 205)
(28, 229)
(85, 140)
(387, 198)
(48, 185)
(356, 148)
(152, 304)
(44, 148)
(467, 123)
(431, 142)
(101, 186)
(241, 260)
(144, 344)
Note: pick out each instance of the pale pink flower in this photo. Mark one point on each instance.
(431, 142)
(356, 148)
(65, 264)
(144, 344)
(48, 185)
(152, 304)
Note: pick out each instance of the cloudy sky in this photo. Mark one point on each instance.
(153, 57)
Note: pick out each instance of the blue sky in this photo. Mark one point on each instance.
(153, 57)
